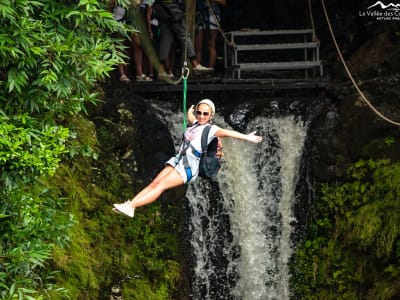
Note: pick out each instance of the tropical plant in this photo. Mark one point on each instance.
(52, 54)
(352, 251)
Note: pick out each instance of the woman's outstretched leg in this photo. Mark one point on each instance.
(158, 178)
(168, 178)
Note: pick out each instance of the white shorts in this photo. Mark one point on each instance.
(212, 21)
(187, 175)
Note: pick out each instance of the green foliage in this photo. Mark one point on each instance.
(352, 251)
(57, 50)
(52, 54)
(27, 236)
(389, 141)
(26, 151)
(104, 247)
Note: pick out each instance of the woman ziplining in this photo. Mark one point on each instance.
(184, 166)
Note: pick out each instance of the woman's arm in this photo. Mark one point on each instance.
(190, 115)
(251, 137)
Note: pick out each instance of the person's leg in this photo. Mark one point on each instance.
(170, 65)
(212, 49)
(198, 44)
(122, 74)
(137, 54)
(184, 38)
(146, 62)
(166, 39)
(167, 179)
(158, 178)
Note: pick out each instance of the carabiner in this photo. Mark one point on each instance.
(185, 71)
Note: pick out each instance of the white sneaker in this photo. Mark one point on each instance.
(124, 209)
(201, 68)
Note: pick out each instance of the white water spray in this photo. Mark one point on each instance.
(258, 187)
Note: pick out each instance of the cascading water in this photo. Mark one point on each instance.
(241, 228)
(258, 188)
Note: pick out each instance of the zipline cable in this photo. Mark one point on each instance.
(349, 73)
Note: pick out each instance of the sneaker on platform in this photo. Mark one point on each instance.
(201, 68)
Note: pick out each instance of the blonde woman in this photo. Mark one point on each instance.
(176, 171)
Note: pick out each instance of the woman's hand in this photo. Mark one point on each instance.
(191, 110)
(252, 137)
(190, 115)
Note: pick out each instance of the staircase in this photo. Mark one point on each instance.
(274, 51)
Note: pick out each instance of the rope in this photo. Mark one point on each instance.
(349, 73)
(185, 69)
(184, 76)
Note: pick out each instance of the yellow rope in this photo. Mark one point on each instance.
(349, 73)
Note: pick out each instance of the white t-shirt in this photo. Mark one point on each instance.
(193, 134)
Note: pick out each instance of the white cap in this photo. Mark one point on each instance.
(209, 103)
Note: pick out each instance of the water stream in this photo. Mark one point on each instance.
(241, 227)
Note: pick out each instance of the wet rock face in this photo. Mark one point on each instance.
(136, 137)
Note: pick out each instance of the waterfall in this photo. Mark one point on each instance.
(258, 188)
(241, 227)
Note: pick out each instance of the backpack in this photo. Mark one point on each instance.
(167, 13)
(209, 162)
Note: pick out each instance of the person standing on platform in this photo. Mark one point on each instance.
(119, 14)
(208, 17)
(171, 17)
(135, 17)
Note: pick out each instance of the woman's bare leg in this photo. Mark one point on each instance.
(137, 54)
(168, 178)
(160, 175)
(198, 44)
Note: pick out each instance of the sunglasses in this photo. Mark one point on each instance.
(204, 113)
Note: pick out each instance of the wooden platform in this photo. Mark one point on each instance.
(277, 60)
(223, 84)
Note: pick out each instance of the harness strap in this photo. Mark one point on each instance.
(195, 152)
(188, 170)
(204, 139)
(185, 147)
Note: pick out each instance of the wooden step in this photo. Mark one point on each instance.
(256, 47)
(289, 65)
(270, 32)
